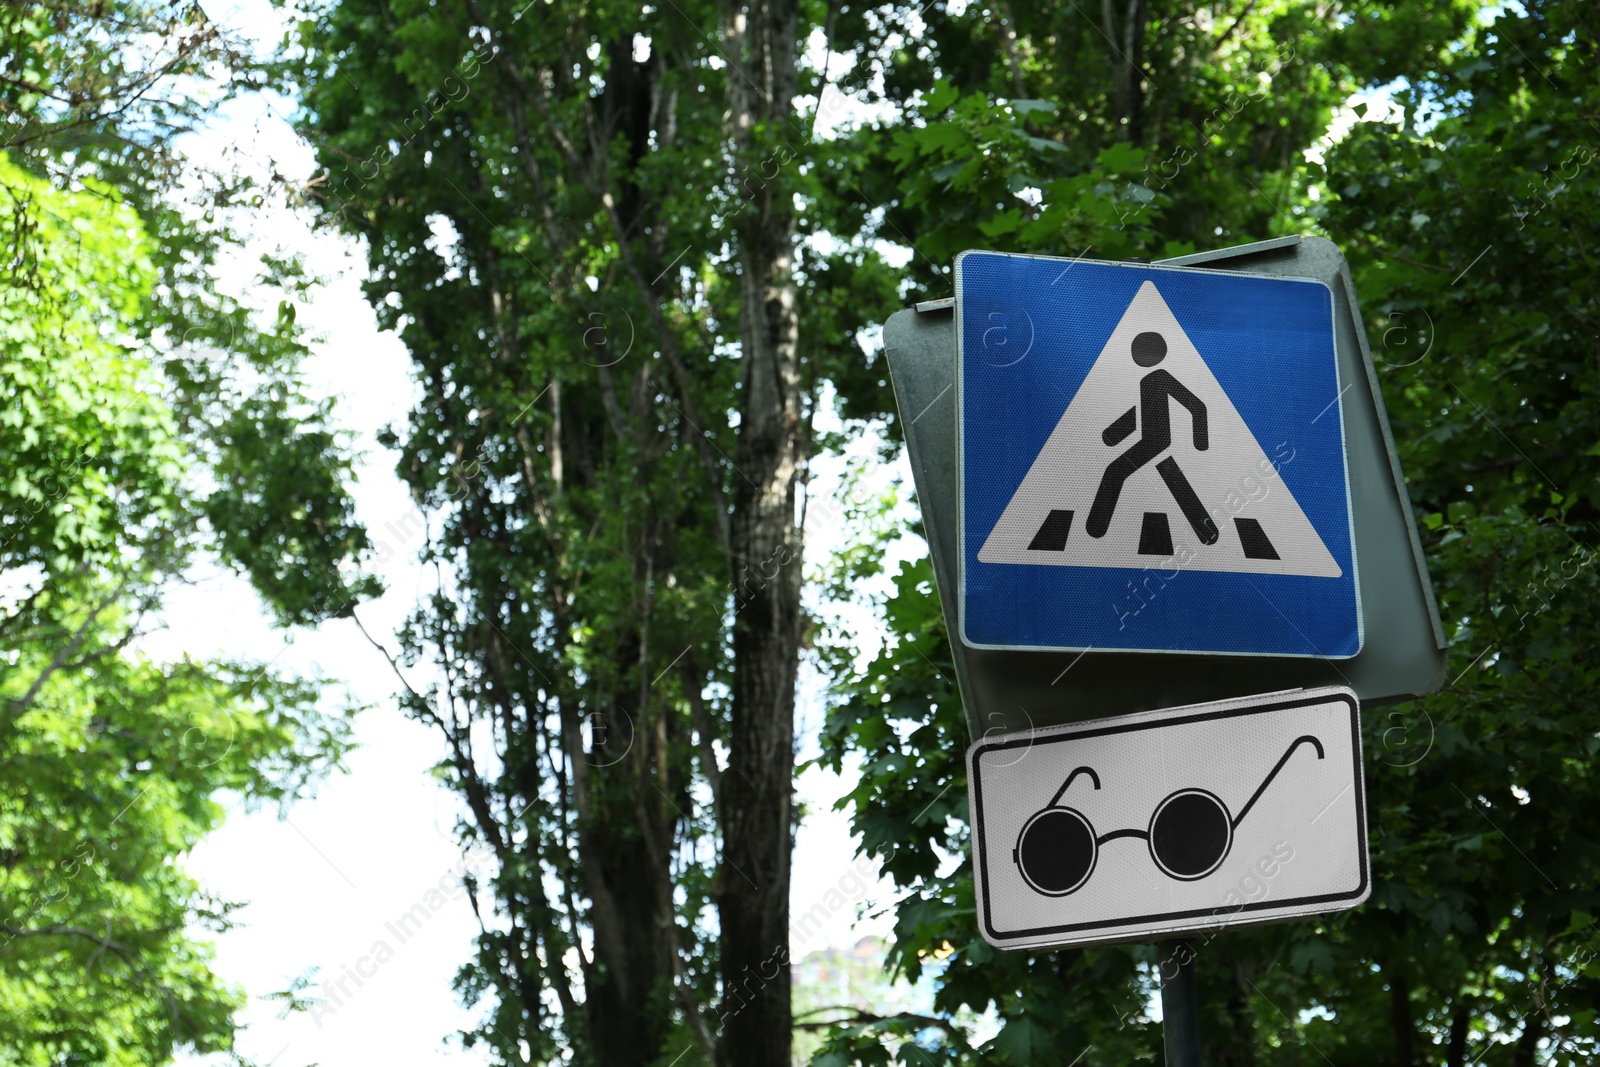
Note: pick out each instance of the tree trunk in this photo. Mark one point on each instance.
(1008, 42)
(623, 869)
(756, 810)
(1237, 1047)
(1456, 1049)
(1528, 1043)
(1400, 1019)
(1133, 70)
(1125, 50)
(1119, 77)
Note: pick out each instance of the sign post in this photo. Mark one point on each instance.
(1176, 555)
(1180, 1005)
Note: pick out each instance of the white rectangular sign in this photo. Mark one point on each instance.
(1152, 825)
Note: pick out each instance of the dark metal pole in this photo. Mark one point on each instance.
(1180, 1005)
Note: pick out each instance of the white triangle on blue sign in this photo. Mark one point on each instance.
(1225, 507)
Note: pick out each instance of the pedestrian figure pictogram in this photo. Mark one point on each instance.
(1157, 390)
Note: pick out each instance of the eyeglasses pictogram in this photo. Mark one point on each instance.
(1190, 834)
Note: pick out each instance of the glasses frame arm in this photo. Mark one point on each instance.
(1302, 739)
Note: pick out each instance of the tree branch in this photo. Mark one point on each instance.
(857, 1017)
(700, 722)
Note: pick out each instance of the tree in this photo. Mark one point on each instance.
(1479, 941)
(1473, 228)
(590, 223)
(146, 419)
(557, 204)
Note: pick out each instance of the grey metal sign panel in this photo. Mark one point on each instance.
(1402, 654)
(1146, 826)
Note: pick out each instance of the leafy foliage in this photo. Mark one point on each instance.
(1479, 942)
(575, 239)
(145, 419)
(556, 212)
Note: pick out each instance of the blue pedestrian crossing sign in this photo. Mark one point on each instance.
(1152, 460)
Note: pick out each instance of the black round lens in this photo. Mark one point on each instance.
(1056, 851)
(1190, 834)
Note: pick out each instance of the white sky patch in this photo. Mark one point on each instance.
(896, 255)
(833, 111)
(825, 847)
(444, 242)
(1493, 12)
(371, 843)
(1380, 107)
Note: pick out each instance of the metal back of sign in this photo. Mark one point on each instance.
(1401, 653)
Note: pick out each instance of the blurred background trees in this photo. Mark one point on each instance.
(1130, 130)
(1470, 224)
(637, 255)
(147, 420)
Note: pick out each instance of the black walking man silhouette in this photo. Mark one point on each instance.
(1154, 421)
